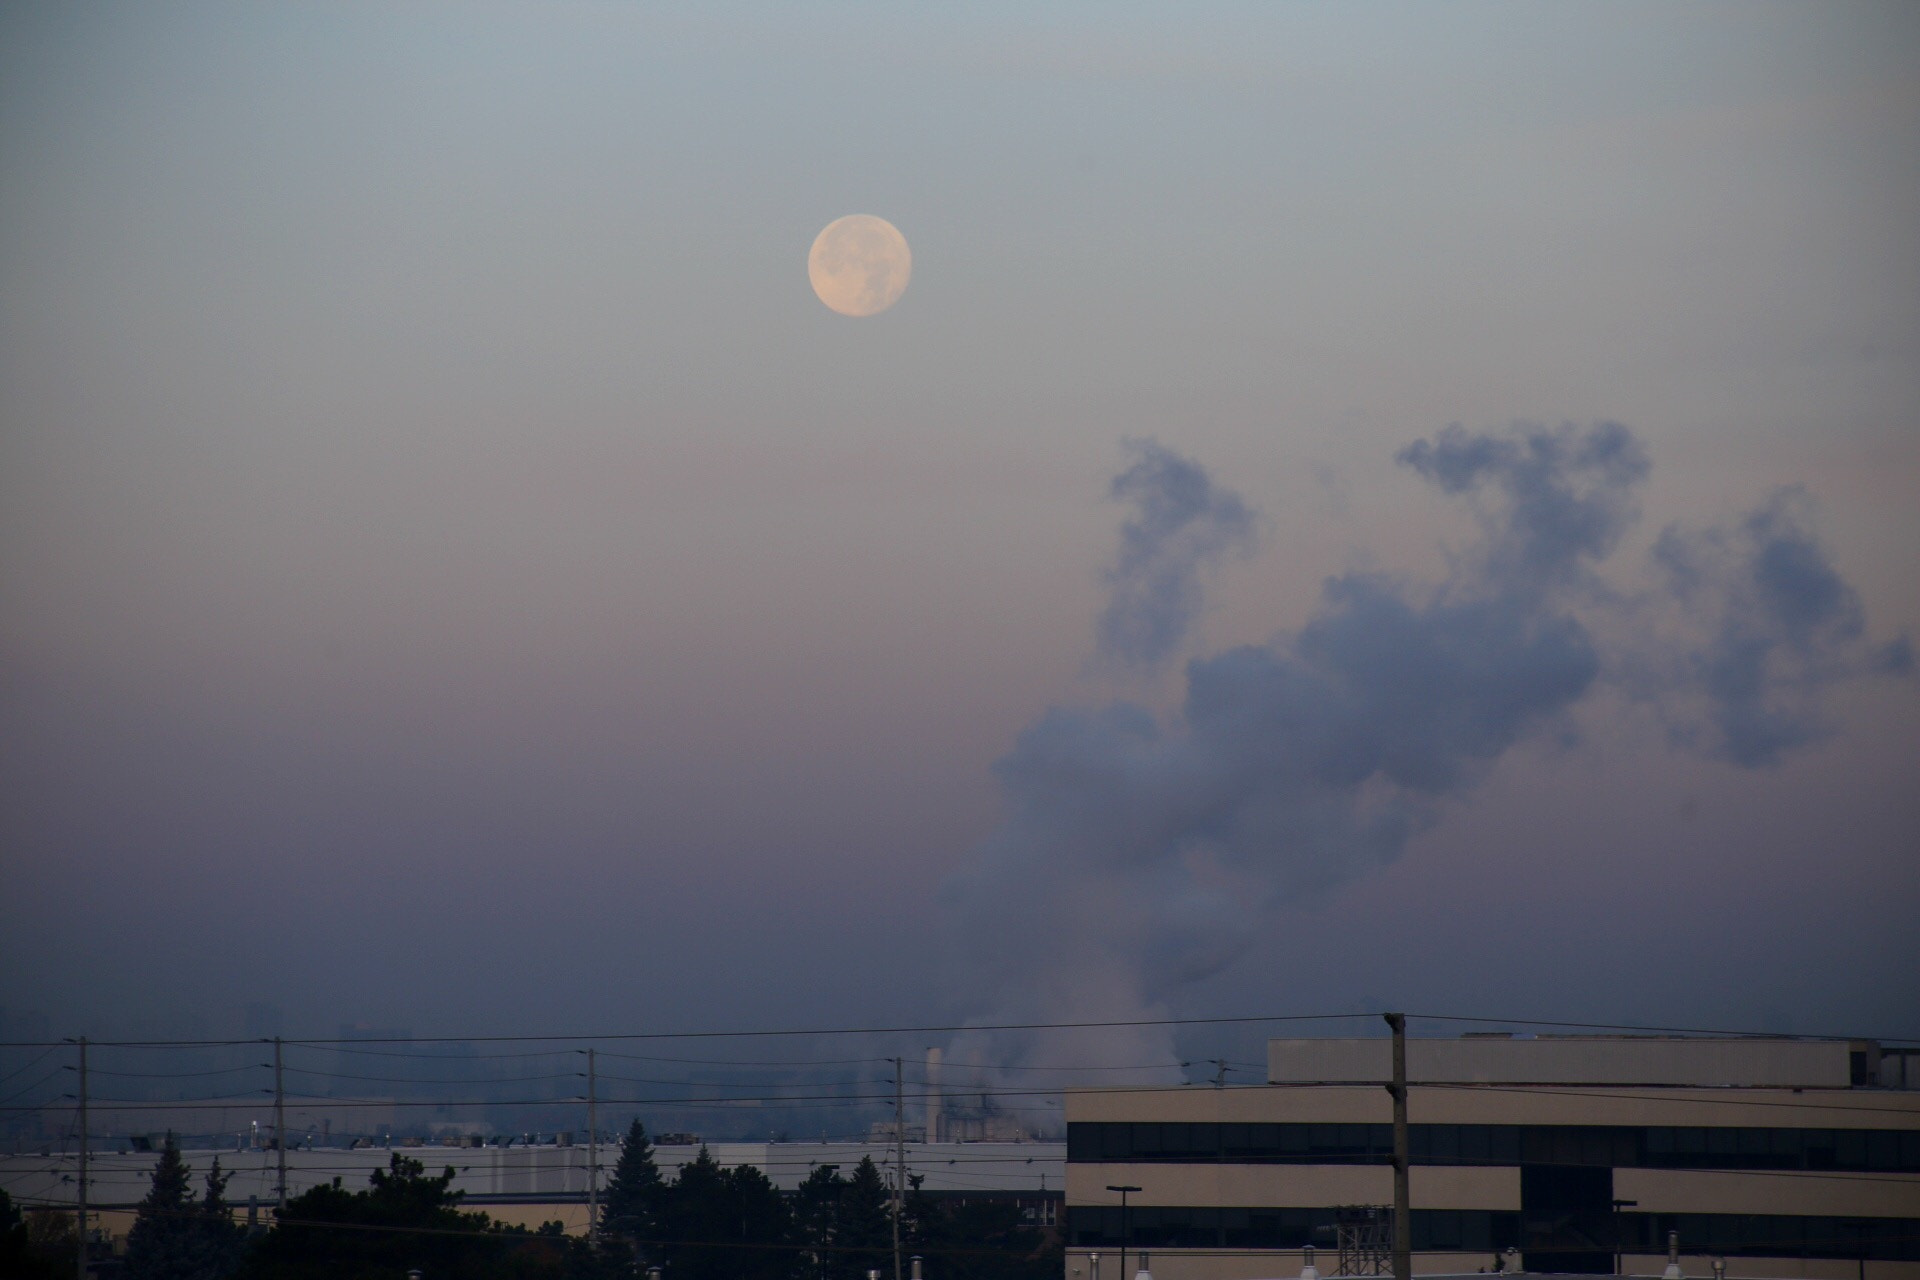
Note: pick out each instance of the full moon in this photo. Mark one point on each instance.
(859, 265)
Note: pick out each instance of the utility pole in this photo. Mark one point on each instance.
(280, 1126)
(899, 1164)
(593, 1153)
(1402, 1198)
(81, 1217)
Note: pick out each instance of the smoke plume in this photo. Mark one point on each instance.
(1138, 853)
(1771, 626)
(1182, 522)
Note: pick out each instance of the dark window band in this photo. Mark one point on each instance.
(1489, 1231)
(1613, 1146)
(1466, 1230)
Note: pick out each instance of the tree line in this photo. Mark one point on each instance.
(705, 1223)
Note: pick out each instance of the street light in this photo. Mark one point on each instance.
(1619, 1231)
(1125, 1223)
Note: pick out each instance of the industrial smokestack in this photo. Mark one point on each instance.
(934, 1118)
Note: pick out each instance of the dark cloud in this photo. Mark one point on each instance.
(1143, 851)
(1182, 522)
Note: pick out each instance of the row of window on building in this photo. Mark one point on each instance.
(1613, 1146)
(1493, 1231)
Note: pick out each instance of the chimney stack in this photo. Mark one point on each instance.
(934, 1118)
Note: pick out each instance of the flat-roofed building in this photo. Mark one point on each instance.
(1784, 1157)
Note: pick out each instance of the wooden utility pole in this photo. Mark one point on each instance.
(899, 1164)
(80, 1218)
(280, 1127)
(1402, 1199)
(593, 1153)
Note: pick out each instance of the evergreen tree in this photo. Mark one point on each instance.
(175, 1238)
(980, 1239)
(816, 1209)
(863, 1225)
(630, 1203)
(693, 1209)
(406, 1220)
(222, 1240)
(165, 1239)
(724, 1224)
(765, 1230)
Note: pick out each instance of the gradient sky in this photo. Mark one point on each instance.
(455, 575)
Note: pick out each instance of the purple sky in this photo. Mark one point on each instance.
(454, 574)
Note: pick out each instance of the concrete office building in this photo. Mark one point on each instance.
(1788, 1158)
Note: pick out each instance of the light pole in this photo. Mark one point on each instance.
(1125, 1223)
(1620, 1231)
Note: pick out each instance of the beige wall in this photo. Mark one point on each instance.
(1290, 1186)
(1276, 1264)
(1284, 1264)
(1871, 1195)
(1569, 1060)
(1494, 1104)
(1448, 1187)
(1699, 1266)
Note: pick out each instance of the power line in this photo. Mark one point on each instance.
(176, 1075)
(342, 1075)
(339, 1042)
(20, 1071)
(341, 1047)
(1653, 1094)
(30, 1088)
(748, 1062)
(713, 1035)
(1653, 1030)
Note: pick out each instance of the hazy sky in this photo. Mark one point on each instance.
(454, 574)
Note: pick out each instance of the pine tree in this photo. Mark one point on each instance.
(405, 1219)
(765, 1224)
(724, 1224)
(163, 1244)
(630, 1204)
(863, 1225)
(816, 1209)
(222, 1240)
